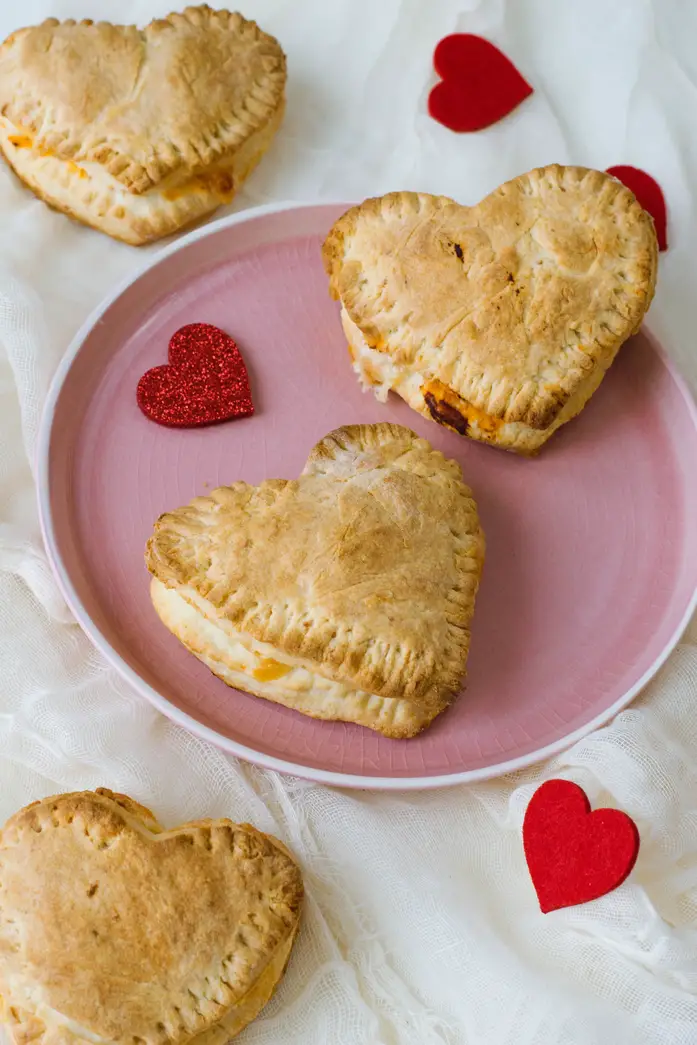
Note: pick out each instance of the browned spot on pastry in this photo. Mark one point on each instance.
(448, 408)
(445, 414)
(543, 414)
(458, 251)
(226, 183)
(20, 141)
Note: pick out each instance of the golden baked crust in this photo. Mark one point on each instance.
(497, 320)
(162, 124)
(115, 930)
(362, 572)
(255, 667)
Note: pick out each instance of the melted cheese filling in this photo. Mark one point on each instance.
(377, 370)
(256, 667)
(447, 406)
(51, 173)
(237, 652)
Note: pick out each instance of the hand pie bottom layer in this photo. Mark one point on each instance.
(90, 194)
(46, 1025)
(377, 370)
(258, 668)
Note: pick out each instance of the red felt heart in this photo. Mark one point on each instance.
(650, 196)
(479, 85)
(574, 855)
(204, 382)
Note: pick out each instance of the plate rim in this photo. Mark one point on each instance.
(187, 721)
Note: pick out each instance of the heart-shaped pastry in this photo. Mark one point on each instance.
(138, 133)
(345, 594)
(205, 381)
(498, 320)
(115, 930)
(575, 855)
(479, 84)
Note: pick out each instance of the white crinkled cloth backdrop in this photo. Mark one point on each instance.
(421, 928)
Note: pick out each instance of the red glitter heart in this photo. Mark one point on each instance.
(650, 196)
(205, 381)
(574, 855)
(479, 85)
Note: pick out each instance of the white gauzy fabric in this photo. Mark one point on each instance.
(422, 926)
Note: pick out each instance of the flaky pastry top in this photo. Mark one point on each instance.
(131, 932)
(365, 568)
(512, 302)
(151, 106)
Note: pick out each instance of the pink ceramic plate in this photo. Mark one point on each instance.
(591, 548)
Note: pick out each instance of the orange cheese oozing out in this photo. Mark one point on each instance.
(73, 167)
(269, 670)
(447, 407)
(483, 420)
(378, 343)
(24, 141)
